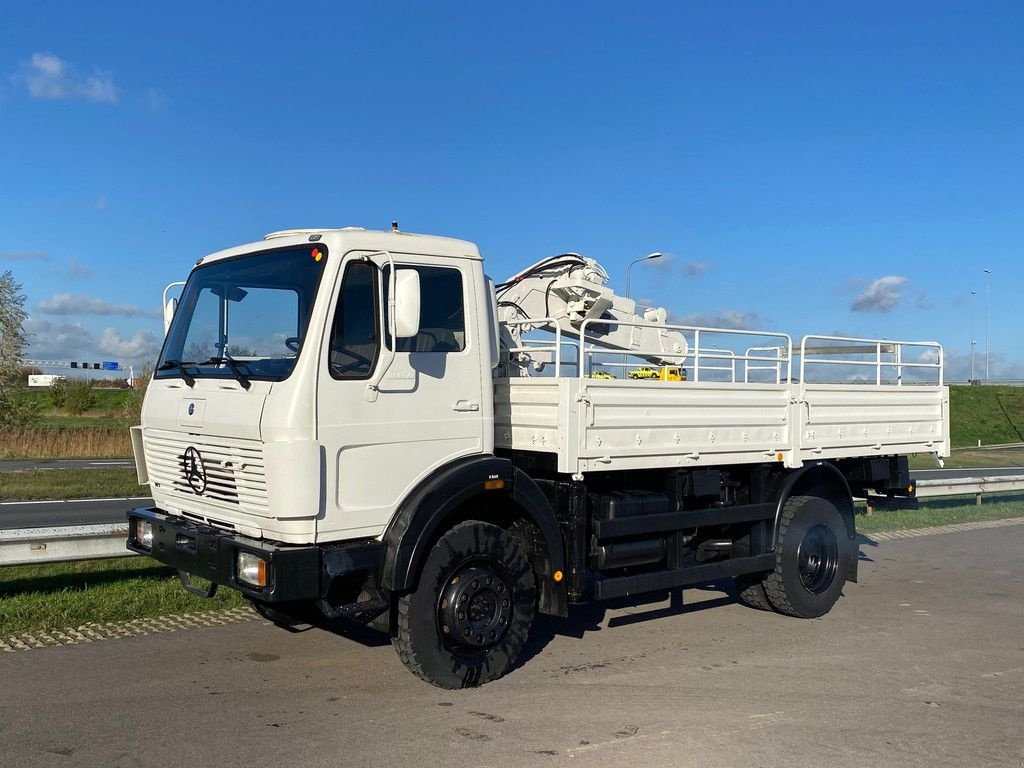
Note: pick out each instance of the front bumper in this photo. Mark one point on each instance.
(295, 573)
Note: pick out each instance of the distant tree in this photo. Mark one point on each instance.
(13, 410)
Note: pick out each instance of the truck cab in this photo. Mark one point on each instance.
(301, 416)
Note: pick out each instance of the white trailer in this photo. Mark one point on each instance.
(358, 424)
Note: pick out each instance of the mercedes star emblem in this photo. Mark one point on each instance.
(195, 471)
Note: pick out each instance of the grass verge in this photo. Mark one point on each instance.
(61, 595)
(971, 458)
(941, 511)
(65, 443)
(37, 484)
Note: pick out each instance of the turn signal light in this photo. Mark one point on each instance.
(251, 569)
(493, 485)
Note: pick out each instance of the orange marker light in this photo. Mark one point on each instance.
(493, 485)
(779, 456)
(558, 576)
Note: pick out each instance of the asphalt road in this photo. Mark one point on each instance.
(39, 464)
(41, 514)
(921, 664)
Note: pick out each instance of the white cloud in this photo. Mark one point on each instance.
(732, 319)
(75, 271)
(48, 77)
(143, 345)
(26, 256)
(63, 340)
(696, 268)
(57, 340)
(155, 100)
(76, 304)
(881, 296)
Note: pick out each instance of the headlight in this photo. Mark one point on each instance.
(144, 533)
(251, 569)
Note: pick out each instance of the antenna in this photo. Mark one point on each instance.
(394, 225)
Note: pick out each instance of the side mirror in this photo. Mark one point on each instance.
(407, 303)
(169, 309)
(170, 306)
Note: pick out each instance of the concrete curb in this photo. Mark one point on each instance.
(938, 529)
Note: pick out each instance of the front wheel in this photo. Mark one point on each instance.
(469, 616)
(811, 558)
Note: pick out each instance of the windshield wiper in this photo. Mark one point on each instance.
(187, 377)
(230, 363)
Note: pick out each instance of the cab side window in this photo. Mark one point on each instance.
(442, 311)
(355, 341)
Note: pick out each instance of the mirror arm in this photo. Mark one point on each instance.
(373, 385)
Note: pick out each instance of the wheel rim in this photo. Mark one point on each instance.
(818, 559)
(475, 608)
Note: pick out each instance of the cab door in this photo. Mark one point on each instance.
(427, 409)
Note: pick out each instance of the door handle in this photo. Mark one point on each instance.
(465, 405)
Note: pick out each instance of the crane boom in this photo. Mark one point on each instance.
(569, 290)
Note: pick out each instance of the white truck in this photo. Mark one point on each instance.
(360, 424)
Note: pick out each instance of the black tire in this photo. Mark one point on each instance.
(811, 558)
(750, 590)
(481, 567)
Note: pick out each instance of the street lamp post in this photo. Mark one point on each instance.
(973, 342)
(988, 296)
(648, 257)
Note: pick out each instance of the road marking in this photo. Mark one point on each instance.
(89, 633)
(72, 501)
(939, 529)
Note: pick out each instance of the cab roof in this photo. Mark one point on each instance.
(355, 238)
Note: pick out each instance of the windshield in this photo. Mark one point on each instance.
(245, 317)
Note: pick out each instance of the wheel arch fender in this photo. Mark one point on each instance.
(457, 492)
(824, 480)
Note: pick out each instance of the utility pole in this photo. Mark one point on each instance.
(973, 341)
(988, 296)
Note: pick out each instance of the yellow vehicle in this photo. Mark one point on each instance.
(668, 373)
(600, 375)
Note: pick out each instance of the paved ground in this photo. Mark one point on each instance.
(921, 664)
(27, 464)
(40, 514)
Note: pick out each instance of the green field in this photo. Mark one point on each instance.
(70, 484)
(63, 595)
(942, 511)
(994, 415)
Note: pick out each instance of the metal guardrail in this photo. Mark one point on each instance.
(964, 486)
(24, 546)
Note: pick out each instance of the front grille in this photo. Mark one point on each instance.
(224, 472)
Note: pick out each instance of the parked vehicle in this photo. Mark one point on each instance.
(360, 424)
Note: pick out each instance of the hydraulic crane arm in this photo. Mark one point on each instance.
(569, 290)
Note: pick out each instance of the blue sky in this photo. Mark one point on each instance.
(808, 167)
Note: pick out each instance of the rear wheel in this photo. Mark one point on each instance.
(750, 589)
(469, 616)
(811, 556)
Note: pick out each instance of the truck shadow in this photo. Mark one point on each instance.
(594, 617)
(582, 618)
